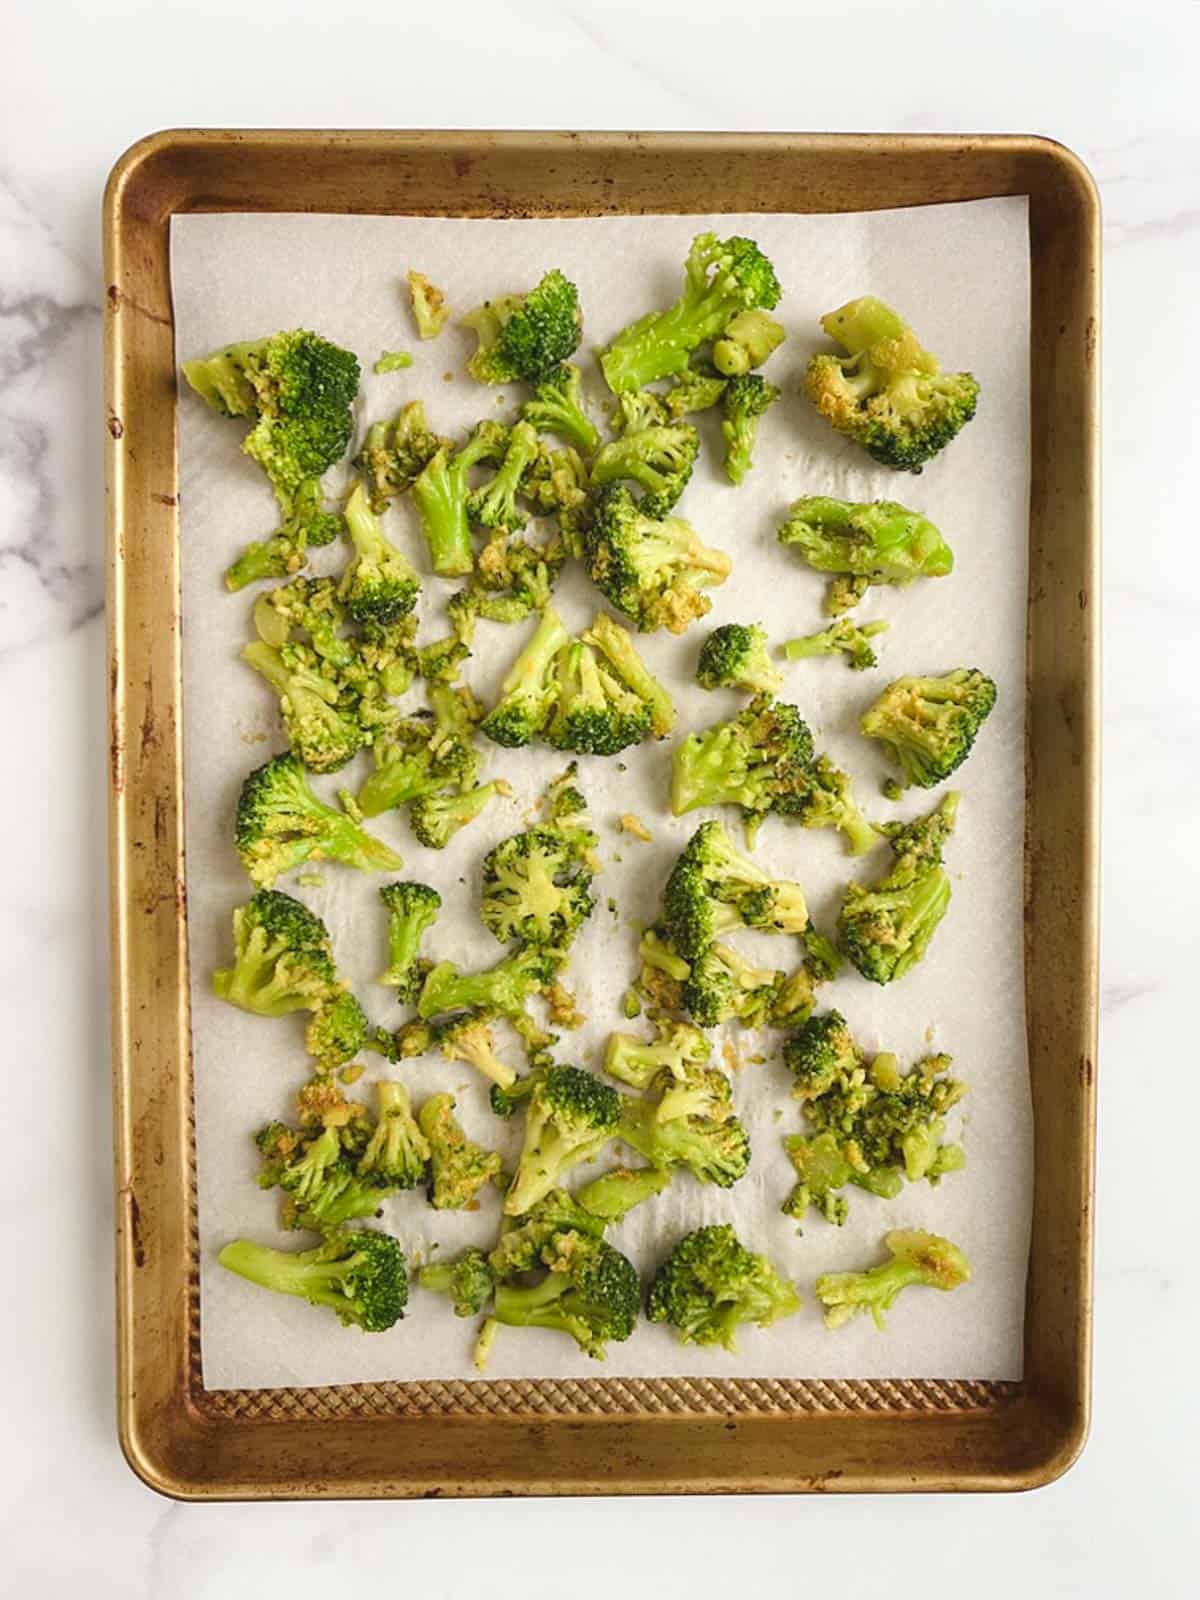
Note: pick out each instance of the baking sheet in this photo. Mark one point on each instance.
(961, 275)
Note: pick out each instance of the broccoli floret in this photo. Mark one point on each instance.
(928, 725)
(887, 393)
(513, 579)
(595, 714)
(283, 958)
(460, 1167)
(590, 1291)
(753, 761)
(469, 1039)
(285, 551)
(441, 493)
(556, 484)
(615, 644)
(436, 818)
(521, 1243)
(659, 460)
(495, 504)
(820, 1054)
(677, 1048)
(916, 1257)
(429, 306)
(414, 757)
(822, 798)
(468, 1281)
(323, 735)
(281, 823)
(557, 407)
(614, 1195)
(524, 338)
(693, 390)
(321, 1189)
(711, 1284)
(704, 1136)
(412, 910)
(507, 1099)
(362, 1275)
(748, 340)
(537, 886)
(504, 987)
(398, 1152)
(844, 637)
(886, 929)
(380, 585)
(308, 606)
(742, 407)
(339, 1029)
(571, 1116)
(714, 888)
(529, 691)
(722, 278)
(875, 541)
(394, 454)
(723, 986)
(652, 569)
(736, 656)
(843, 594)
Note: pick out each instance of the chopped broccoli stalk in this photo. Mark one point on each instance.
(743, 404)
(436, 818)
(283, 958)
(590, 1292)
(460, 1168)
(394, 454)
(916, 1257)
(653, 569)
(736, 656)
(571, 1116)
(468, 1281)
(928, 725)
(723, 986)
(524, 338)
(713, 888)
(469, 1039)
(722, 278)
(595, 713)
(886, 929)
(528, 692)
(616, 646)
(711, 1285)
(398, 1151)
(693, 390)
(504, 988)
(280, 823)
(875, 541)
(658, 459)
(844, 637)
(537, 886)
(360, 1275)
(658, 955)
(677, 1048)
(414, 758)
(495, 504)
(412, 909)
(429, 307)
(614, 1195)
(393, 361)
(320, 732)
(887, 393)
(441, 493)
(753, 761)
(557, 407)
(822, 798)
(747, 342)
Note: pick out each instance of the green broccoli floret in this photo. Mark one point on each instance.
(504, 987)
(677, 1048)
(441, 493)
(590, 1291)
(557, 407)
(742, 407)
(653, 569)
(309, 606)
(398, 1152)
(876, 541)
(595, 714)
(659, 460)
(322, 734)
(713, 888)
(844, 637)
(507, 1099)
(557, 485)
(460, 1167)
(524, 338)
(299, 388)
(436, 818)
(571, 1116)
(613, 1196)
(694, 390)
(469, 1039)
(528, 693)
(537, 886)
(513, 579)
(753, 761)
(928, 725)
(887, 393)
(916, 1257)
(820, 1054)
(412, 910)
(429, 306)
(615, 644)
(701, 1134)
(395, 453)
(748, 340)
(736, 656)
(723, 986)
(414, 757)
(722, 278)
(281, 823)
(339, 1029)
(886, 929)
(822, 798)
(283, 958)
(380, 585)
(362, 1275)
(710, 1285)
(495, 504)
(321, 1189)
(467, 1280)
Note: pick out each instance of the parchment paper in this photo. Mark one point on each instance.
(960, 273)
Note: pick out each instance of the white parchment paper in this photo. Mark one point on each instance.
(960, 273)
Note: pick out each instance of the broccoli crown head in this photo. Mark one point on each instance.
(412, 910)
(281, 823)
(843, 637)
(822, 798)
(711, 1284)
(737, 656)
(414, 757)
(436, 818)
(595, 713)
(916, 1257)
(522, 338)
(361, 1275)
(321, 1187)
(658, 459)
(557, 407)
(590, 1292)
(652, 569)
(537, 886)
(397, 1153)
(571, 1115)
(876, 541)
(820, 1053)
(467, 1280)
(394, 454)
(459, 1167)
(633, 1061)
(723, 986)
(503, 988)
(885, 930)
(338, 1031)
(283, 958)
(529, 692)
(323, 728)
(755, 761)
(928, 725)
(689, 1124)
(713, 887)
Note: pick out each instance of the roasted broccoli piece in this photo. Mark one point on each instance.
(283, 958)
(556, 484)
(398, 1151)
(414, 757)
(928, 725)
(843, 594)
(524, 338)
(557, 407)
(615, 644)
(441, 493)
(748, 340)
(652, 569)
(537, 886)
(469, 1039)
(468, 1281)
(504, 988)
(589, 1291)
(322, 1191)
(495, 504)
(701, 1134)
(722, 278)
(876, 541)
(595, 714)
(887, 393)
(429, 306)
(844, 637)
(436, 818)
(395, 453)
(822, 798)
(571, 1116)
(362, 1275)
(460, 1168)
(723, 986)
(742, 407)
(916, 1257)
(711, 1284)
(281, 823)
(309, 606)
(736, 656)
(528, 693)
(713, 888)
(320, 731)
(380, 585)
(820, 1054)
(339, 1029)
(886, 929)
(412, 910)
(753, 761)
(613, 1196)
(677, 1048)
(392, 361)
(659, 460)
(521, 1243)
(507, 1099)
(513, 579)
(696, 389)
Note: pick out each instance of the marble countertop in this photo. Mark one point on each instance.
(79, 83)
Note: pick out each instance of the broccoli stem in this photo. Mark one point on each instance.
(440, 496)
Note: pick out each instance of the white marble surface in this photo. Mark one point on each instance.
(78, 83)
